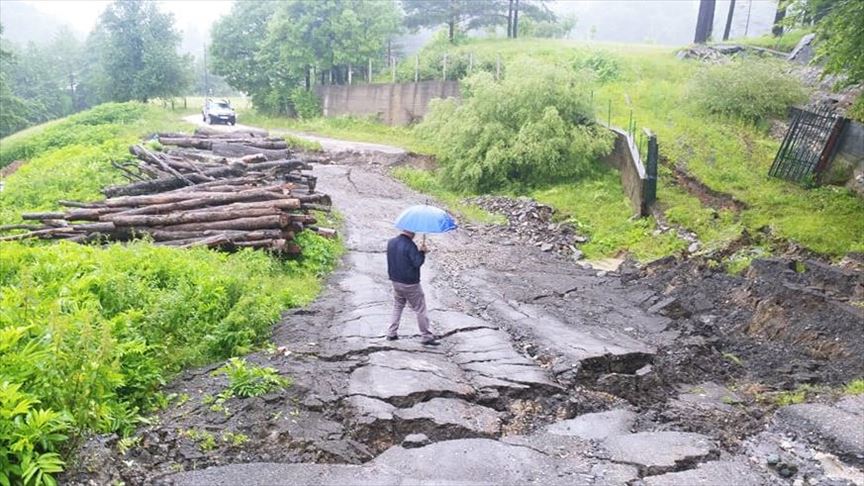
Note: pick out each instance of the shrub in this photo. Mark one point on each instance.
(751, 90)
(306, 104)
(536, 126)
(605, 67)
(245, 380)
(90, 334)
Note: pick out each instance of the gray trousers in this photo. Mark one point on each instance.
(412, 295)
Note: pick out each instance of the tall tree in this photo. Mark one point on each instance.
(729, 16)
(235, 49)
(139, 53)
(536, 10)
(841, 40)
(455, 14)
(327, 35)
(704, 21)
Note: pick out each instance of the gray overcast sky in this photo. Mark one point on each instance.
(668, 22)
(82, 14)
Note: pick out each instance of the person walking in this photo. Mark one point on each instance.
(404, 260)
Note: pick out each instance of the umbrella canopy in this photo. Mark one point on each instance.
(425, 219)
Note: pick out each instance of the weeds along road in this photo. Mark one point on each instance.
(548, 373)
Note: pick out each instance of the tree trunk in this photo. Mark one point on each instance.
(510, 19)
(779, 15)
(516, 19)
(704, 21)
(729, 15)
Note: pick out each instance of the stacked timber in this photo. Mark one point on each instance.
(195, 198)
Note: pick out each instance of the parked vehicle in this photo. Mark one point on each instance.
(218, 111)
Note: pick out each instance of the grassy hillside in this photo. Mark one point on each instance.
(89, 334)
(725, 154)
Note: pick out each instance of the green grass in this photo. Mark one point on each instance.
(427, 183)
(727, 155)
(784, 43)
(303, 144)
(600, 209)
(854, 387)
(89, 334)
(71, 158)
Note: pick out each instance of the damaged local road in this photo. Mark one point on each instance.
(548, 373)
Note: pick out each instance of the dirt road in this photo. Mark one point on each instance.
(548, 373)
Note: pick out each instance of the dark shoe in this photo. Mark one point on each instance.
(431, 342)
(392, 338)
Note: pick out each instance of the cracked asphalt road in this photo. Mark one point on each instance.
(482, 401)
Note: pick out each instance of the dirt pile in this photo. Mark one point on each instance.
(784, 323)
(531, 222)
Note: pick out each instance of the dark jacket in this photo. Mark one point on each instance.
(404, 260)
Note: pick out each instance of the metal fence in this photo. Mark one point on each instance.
(808, 145)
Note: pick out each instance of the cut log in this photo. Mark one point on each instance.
(235, 150)
(151, 158)
(216, 133)
(251, 159)
(10, 227)
(168, 234)
(279, 221)
(42, 216)
(215, 214)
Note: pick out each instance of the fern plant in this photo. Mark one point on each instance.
(245, 380)
(28, 439)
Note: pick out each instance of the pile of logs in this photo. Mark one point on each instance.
(195, 195)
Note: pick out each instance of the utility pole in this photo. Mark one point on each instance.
(206, 74)
(72, 90)
(704, 21)
(729, 20)
(747, 24)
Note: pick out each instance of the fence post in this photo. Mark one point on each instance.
(369, 72)
(393, 69)
(349, 74)
(416, 68)
(444, 68)
(609, 118)
(651, 169)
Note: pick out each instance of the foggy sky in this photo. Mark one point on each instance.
(669, 22)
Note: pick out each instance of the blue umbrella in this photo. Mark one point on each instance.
(425, 219)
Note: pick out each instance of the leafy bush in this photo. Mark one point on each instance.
(29, 436)
(536, 126)
(605, 67)
(856, 111)
(245, 380)
(751, 90)
(90, 334)
(306, 103)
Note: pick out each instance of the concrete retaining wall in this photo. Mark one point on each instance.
(392, 103)
(847, 165)
(625, 158)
